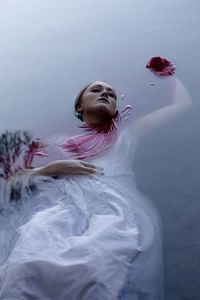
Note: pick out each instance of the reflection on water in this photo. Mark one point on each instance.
(51, 49)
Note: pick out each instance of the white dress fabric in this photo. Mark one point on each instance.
(82, 238)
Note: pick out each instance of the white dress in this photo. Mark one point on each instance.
(82, 238)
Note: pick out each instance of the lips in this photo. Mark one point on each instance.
(103, 99)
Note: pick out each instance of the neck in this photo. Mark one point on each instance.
(104, 125)
(95, 120)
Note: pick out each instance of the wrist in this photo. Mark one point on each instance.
(45, 170)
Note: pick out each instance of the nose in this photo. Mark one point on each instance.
(104, 93)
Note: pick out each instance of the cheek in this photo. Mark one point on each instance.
(114, 106)
(85, 104)
(88, 102)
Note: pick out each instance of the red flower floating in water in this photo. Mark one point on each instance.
(160, 66)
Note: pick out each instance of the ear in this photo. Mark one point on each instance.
(79, 108)
(79, 112)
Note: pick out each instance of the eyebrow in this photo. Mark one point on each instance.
(98, 85)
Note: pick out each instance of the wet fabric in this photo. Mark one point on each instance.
(93, 237)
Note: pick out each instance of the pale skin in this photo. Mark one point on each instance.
(99, 105)
(181, 101)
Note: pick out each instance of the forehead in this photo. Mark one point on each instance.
(101, 83)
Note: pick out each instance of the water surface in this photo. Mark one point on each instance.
(50, 49)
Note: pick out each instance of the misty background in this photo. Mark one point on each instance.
(51, 49)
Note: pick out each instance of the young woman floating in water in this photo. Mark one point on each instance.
(89, 234)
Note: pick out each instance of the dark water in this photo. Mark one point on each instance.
(50, 49)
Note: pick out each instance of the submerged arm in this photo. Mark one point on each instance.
(25, 177)
(181, 101)
(63, 167)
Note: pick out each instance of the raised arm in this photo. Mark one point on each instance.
(181, 101)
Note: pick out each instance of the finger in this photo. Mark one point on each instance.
(89, 170)
(92, 166)
(93, 171)
(87, 173)
(87, 164)
(82, 173)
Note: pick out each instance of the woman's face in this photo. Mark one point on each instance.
(98, 102)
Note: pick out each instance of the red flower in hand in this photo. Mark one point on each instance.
(160, 66)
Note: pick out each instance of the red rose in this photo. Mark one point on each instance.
(160, 66)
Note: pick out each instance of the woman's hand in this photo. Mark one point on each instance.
(69, 167)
